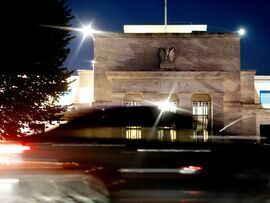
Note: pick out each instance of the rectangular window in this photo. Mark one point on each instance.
(200, 108)
(133, 132)
(201, 113)
(133, 103)
(265, 97)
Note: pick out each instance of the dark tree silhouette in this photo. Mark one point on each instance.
(32, 76)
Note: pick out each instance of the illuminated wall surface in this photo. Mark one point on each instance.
(80, 89)
(163, 29)
(262, 86)
(265, 97)
(70, 96)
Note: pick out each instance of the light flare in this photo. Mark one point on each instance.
(13, 148)
(166, 106)
(241, 31)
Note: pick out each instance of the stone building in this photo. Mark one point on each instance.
(195, 71)
(204, 77)
(262, 102)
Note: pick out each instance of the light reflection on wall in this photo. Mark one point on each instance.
(85, 95)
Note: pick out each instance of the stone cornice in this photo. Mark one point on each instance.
(146, 75)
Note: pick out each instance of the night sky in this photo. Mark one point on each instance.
(219, 15)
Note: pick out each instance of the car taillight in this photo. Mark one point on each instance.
(13, 148)
(190, 169)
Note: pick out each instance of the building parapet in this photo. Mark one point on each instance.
(166, 35)
(262, 77)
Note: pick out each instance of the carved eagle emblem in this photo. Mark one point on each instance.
(166, 54)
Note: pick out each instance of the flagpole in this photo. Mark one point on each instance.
(165, 15)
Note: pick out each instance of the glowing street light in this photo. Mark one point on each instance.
(241, 31)
(87, 30)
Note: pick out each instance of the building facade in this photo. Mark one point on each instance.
(205, 74)
(198, 72)
(262, 102)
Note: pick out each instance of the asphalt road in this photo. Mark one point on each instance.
(147, 174)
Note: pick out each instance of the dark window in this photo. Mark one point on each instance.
(265, 132)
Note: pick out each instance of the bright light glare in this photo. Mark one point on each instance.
(85, 95)
(241, 32)
(6, 184)
(87, 30)
(13, 148)
(166, 106)
(9, 180)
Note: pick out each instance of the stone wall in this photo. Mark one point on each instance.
(197, 53)
(247, 87)
(194, 52)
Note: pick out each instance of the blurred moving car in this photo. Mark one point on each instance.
(139, 154)
(42, 180)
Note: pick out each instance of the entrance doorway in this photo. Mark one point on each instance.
(265, 132)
